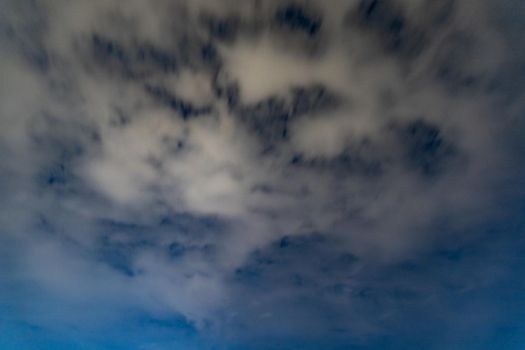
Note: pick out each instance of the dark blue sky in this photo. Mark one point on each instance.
(342, 174)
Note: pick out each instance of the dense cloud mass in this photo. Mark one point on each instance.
(261, 174)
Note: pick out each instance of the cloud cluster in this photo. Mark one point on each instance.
(221, 160)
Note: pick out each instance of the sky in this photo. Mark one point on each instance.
(262, 174)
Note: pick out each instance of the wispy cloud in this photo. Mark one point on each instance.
(267, 167)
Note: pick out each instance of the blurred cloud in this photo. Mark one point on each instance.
(318, 168)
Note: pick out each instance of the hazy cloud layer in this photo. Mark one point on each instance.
(221, 173)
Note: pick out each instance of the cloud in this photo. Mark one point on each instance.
(263, 68)
(257, 166)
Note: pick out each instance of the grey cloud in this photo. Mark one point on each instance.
(199, 156)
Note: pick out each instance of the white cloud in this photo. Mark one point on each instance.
(264, 68)
(146, 161)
